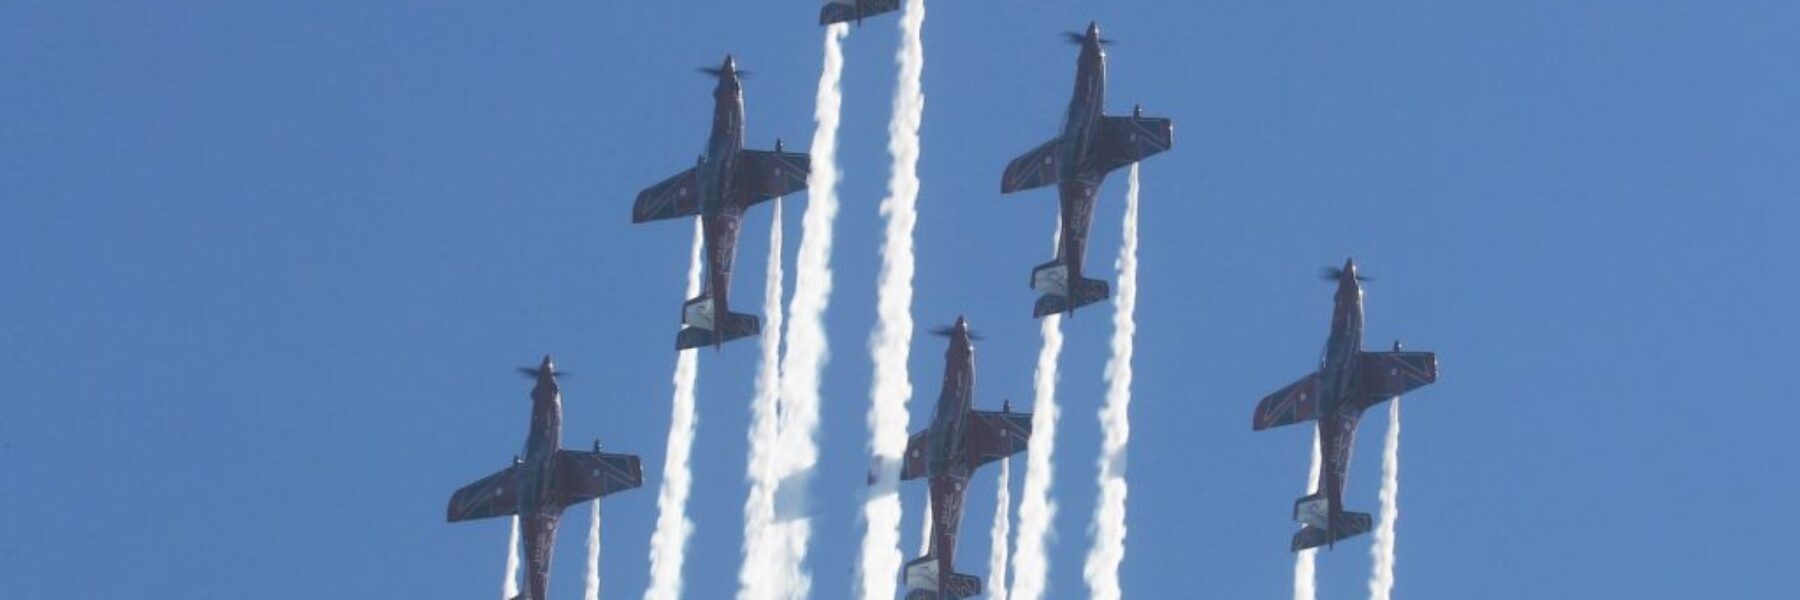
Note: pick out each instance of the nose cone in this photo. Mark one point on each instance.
(961, 329)
(1350, 269)
(728, 72)
(1093, 31)
(546, 374)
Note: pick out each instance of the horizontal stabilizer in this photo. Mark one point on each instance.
(1349, 524)
(729, 326)
(1085, 292)
(845, 11)
(923, 583)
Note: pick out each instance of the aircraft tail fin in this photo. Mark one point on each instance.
(727, 327)
(1347, 524)
(1060, 294)
(923, 583)
(1313, 510)
(705, 326)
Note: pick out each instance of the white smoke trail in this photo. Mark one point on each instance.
(1381, 580)
(1036, 510)
(668, 546)
(509, 589)
(1303, 560)
(593, 563)
(755, 580)
(890, 345)
(797, 449)
(997, 559)
(1102, 569)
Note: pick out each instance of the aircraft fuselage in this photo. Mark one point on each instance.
(1339, 409)
(949, 467)
(1081, 174)
(722, 201)
(539, 510)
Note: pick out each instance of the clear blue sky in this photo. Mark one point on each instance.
(269, 267)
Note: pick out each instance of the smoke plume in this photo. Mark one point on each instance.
(1002, 516)
(668, 546)
(1102, 569)
(1381, 580)
(1303, 560)
(756, 578)
(880, 560)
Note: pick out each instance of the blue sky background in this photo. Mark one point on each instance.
(269, 268)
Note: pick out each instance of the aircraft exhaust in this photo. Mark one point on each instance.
(998, 535)
(796, 443)
(593, 548)
(668, 545)
(891, 343)
(1037, 510)
(1303, 560)
(1381, 577)
(756, 579)
(1102, 569)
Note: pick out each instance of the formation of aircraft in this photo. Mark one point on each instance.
(1349, 380)
(1091, 145)
(538, 486)
(728, 179)
(724, 182)
(959, 440)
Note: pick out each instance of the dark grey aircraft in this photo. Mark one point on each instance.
(959, 440)
(538, 486)
(724, 182)
(1091, 145)
(1349, 381)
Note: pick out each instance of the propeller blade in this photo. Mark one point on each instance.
(717, 72)
(1080, 38)
(534, 372)
(946, 330)
(1336, 273)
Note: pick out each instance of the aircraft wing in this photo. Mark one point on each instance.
(677, 196)
(583, 476)
(844, 11)
(1033, 169)
(1297, 402)
(996, 435)
(1384, 375)
(1125, 140)
(769, 174)
(918, 456)
(496, 495)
